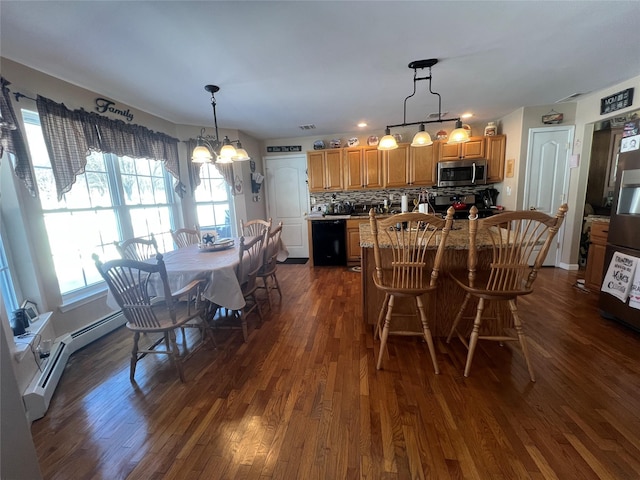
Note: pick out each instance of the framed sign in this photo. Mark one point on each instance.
(285, 148)
(617, 101)
(31, 310)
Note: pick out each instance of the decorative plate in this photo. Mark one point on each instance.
(353, 142)
(372, 141)
(221, 244)
(336, 143)
(442, 135)
(319, 145)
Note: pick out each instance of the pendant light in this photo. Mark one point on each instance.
(422, 138)
(388, 142)
(210, 147)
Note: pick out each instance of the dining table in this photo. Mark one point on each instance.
(217, 266)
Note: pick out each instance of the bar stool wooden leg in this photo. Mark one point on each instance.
(473, 341)
(385, 330)
(427, 333)
(521, 337)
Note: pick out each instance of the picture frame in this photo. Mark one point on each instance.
(31, 310)
(510, 168)
(552, 118)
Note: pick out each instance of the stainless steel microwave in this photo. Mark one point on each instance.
(461, 173)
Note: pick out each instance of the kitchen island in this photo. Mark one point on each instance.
(442, 305)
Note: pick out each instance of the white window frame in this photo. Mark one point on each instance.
(91, 285)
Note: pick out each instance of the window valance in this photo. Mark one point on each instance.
(71, 135)
(12, 141)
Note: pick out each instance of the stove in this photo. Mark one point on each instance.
(443, 202)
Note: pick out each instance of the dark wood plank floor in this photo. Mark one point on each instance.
(303, 400)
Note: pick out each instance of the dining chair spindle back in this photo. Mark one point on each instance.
(520, 242)
(138, 248)
(148, 311)
(183, 237)
(269, 266)
(408, 251)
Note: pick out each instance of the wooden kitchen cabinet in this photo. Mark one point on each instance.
(353, 240)
(324, 170)
(595, 258)
(396, 167)
(408, 166)
(362, 168)
(495, 153)
(474, 148)
(422, 166)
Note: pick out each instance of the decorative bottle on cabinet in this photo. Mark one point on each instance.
(490, 130)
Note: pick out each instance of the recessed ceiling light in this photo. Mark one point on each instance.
(466, 115)
(362, 124)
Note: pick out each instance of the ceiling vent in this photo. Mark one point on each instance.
(569, 98)
(437, 115)
(309, 126)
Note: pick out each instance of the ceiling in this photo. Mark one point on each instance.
(332, 64)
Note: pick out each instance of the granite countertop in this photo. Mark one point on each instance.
(458, 236)
(315, 218)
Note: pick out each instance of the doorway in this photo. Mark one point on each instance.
(288, 200)
(546, 176)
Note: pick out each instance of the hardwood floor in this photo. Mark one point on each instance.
(303, 400)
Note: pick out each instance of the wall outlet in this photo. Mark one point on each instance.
(391, 197)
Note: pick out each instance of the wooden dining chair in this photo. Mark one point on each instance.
(138, 248)
(269, 266)
(148, 311)
(183, 237)
(255, 227)
(520, 242)
(408, 250)
(250, 261)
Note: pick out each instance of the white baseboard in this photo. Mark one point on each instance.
(38, 394)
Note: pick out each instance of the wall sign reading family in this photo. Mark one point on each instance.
(103, 105)
(617, 101)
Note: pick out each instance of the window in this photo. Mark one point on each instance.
(116, 198)
(6, 283)
(213, 205)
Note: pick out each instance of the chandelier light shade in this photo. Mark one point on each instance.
(422, 138)
(201, 154)
(459, 134)
(388, 142)
(210, 148)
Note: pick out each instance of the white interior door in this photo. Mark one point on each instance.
(288, 200)
(546, 176)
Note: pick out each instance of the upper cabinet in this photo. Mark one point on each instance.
(422, 166)
(409, 166)
(474, 148)
(324, 170)
(358, 168)
(396, 167)
(362, 168)
(495, 147)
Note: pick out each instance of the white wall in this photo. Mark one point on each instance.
(587, 114)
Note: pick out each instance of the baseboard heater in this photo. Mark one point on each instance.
(38, 394)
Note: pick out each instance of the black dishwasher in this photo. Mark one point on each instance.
(329, 242)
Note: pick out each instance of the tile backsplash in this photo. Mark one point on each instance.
(377, 197)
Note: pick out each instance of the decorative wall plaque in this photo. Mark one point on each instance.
(617, 101)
